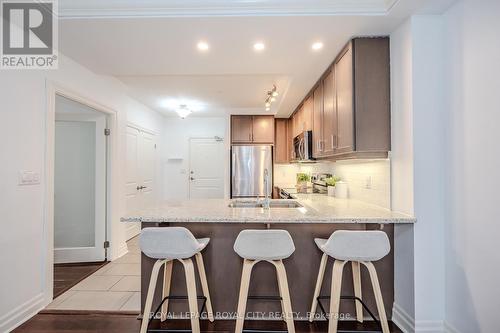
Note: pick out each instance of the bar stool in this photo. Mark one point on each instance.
(167, 244)
(357, 247)
(264, 245)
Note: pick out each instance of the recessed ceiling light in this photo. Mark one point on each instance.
(259, 46)
(317, 46)
(203, 46)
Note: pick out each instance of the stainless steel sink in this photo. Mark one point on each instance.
(260, 204)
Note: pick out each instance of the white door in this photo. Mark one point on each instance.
(140, 170)
(207, 163)
(80, 190)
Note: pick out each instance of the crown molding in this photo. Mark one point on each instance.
(211, 8)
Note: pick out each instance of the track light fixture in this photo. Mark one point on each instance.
(271, 97)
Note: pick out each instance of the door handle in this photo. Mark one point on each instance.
(138, 188)
(141, 187)
(191, 178)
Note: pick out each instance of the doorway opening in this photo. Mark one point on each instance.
(80, 192)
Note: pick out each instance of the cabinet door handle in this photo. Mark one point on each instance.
(249, 136)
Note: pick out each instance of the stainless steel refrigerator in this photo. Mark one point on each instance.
(247, 170)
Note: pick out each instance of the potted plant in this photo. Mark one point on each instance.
(302, 179)
(330, 182)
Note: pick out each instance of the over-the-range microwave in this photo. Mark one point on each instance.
(302, 148)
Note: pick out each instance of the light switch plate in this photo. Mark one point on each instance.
(29, 178)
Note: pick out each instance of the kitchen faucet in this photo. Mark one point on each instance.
(265, 203)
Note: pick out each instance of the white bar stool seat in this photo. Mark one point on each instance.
(264, 245)
(357, 247)
(167, 244)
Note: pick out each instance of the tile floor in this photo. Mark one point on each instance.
(115, 287)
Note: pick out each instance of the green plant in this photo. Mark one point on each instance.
(303, 177)
(331, 181)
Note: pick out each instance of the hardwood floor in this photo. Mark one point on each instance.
(68, 275)
(118, 323)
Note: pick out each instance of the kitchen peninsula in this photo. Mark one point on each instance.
(306, 217)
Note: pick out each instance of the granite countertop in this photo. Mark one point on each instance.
(317, 208)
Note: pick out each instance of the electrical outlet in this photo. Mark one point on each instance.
(368, 183)
(29, 178)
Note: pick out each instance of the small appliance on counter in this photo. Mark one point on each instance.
(319, 182)
(341, 190)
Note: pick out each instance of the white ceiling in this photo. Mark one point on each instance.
(151, 46)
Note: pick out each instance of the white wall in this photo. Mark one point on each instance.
(429, 170)
(23, 97)
(418, 160)
(473, 163)
(354, 172)
(402, 173)
(177, 133)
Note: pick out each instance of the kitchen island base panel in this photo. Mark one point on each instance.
(223, 269)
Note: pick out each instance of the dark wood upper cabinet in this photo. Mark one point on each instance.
(281, 141)
(252, 129)
(343, 68)
(351, 103)
(263, 129)
(318, 120)
(241, 129)
(330, 123)
(290, 136)
(372, 97)
(307, 114)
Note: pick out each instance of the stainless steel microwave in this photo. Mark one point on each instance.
(302, 147)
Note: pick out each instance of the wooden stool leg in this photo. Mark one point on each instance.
(281, 295)
(319, 283)
(378, 296)
(242, 300)
(285, 294)
(151, 292)
(167, 277)
(191, 289)
(338, 267)
(204, 285)
(356, 281)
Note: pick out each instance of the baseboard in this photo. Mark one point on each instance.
(22, 313)
(118, 252)
(402, 319)
(448, 328)
(429, 326)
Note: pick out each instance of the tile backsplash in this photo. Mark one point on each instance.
(368, 180)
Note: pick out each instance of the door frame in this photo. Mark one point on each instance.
(216, 137)
(53, 89)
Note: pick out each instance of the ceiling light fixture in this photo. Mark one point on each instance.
(259, 46)
(183, 111)
(317, 46)
(271, 97)
(202, 46)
